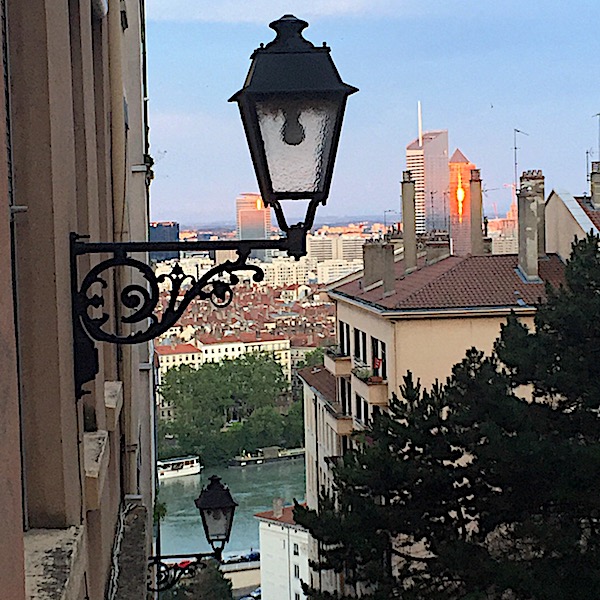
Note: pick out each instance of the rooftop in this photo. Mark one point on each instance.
(592, 213)
(176, 349)
(287, 516)
(320, 379)
(469, 282)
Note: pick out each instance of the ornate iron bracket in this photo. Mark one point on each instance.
(135, 315)
(171, 569)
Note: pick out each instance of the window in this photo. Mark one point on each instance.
(378, 358)
(344, 338)
(296, 571)
(360, 345)
(296, 551)
(346, 396)
(358, 411)
(296, 596)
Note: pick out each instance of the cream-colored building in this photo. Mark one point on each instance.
(418, 314)
(283, 554)
(76, 476)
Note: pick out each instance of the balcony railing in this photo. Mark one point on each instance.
(337, 362)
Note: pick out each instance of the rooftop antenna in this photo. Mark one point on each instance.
(420, 123)
(598, 115)
(515, 148)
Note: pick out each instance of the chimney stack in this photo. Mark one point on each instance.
(595, 184)
(409, 230)
(389, 269)
(373, 266)
(531, 211)
(476, 213)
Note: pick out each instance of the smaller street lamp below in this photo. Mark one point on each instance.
(217, 507)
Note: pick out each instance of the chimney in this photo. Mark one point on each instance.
(372, 263)
(277, 507)
(408, 222)
(595, 185)
(389, 269)
(476, 213)
(531, 198)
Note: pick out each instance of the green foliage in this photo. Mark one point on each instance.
(314, 358)
(208, 584)
(293, 426)
(205, 399)
(467, 490)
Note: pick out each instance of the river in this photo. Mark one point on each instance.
(253, 488)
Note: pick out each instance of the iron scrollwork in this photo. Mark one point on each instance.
(168, 571)
(137, 314)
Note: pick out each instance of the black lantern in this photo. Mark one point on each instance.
(292, 105)
(216, 508)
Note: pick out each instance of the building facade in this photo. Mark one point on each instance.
(283, 554)
(460, 203)
(427, 160)
(253, 221)
(76, 476)
(164, 231)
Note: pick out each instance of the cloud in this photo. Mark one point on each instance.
(261, 11)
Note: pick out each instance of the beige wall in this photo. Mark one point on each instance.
(70, 158)
(11, 515)
(429, 348)
(561, 227)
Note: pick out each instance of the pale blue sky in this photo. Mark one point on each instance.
(480, 69)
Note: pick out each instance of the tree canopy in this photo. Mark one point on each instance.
(469, 490)
(207, 398)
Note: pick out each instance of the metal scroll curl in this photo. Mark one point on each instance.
(169, 574)
(141, 298)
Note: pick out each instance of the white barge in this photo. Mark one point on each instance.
(178, 467)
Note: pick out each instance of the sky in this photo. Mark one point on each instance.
(480, 68)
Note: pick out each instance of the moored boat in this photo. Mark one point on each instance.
(178, 467)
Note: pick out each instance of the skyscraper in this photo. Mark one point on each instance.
(164, 231)
(253, 220)
(427, 160)
(460, 203)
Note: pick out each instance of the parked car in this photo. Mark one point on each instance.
(252, 556)
(256, 594)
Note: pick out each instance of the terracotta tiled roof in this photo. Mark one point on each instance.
(590, 211)
(321, 380)
(287, 515)
(469, 282)
(176, 349)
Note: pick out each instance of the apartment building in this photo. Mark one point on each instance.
(283, 554)
(418, 314)
(76, 476)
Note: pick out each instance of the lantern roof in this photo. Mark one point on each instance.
(292, 64)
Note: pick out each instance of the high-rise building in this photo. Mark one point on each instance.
(460, 203)
(253, 220)
(164, 231)
(427, 160)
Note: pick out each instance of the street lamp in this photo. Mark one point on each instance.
(217, 507)
(292, 105)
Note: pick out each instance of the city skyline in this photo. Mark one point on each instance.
(479, 71)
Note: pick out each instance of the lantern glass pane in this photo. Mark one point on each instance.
(297, 138)
(217, 523)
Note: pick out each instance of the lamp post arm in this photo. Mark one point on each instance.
(137, 314)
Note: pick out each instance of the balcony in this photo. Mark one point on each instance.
(372, 388)
(337, 362)
(342, 424)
